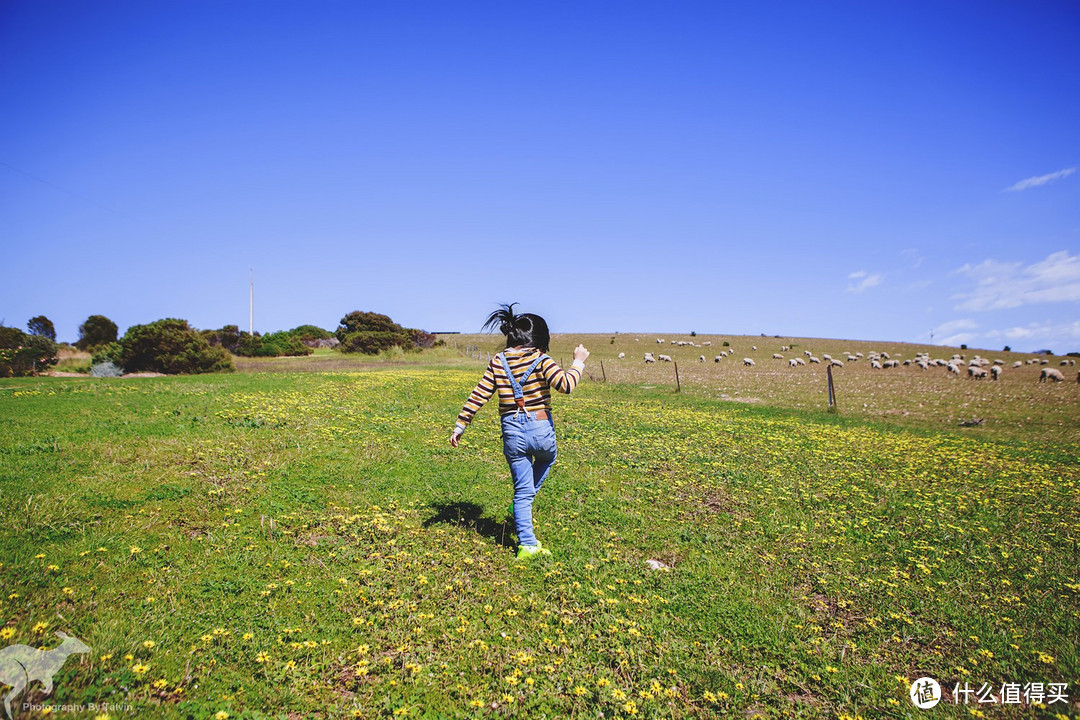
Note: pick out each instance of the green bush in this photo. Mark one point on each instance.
(170, 346)
(372, 343)
(310, 333)
(282, 343)
(242, 343)
(371, 333)
(22, 354)
(109, 353)
(227, 337)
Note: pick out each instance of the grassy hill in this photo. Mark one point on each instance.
(308, 545)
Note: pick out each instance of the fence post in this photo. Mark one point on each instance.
(678, 386)
(832, 392)
(604, 372)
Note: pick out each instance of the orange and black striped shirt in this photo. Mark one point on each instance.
(536, 389)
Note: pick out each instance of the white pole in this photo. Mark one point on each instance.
(251, 303)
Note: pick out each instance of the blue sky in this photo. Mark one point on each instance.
(857, 170)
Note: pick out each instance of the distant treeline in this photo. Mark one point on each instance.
(172, 346)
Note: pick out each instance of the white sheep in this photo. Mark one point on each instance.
(952, 368)
(800, 361)
(836, 363)
(827, 357)
(750, 363)
(649, 358)
(659, 341)
(1018, 363)
(707, 343)
(1051, 374)
(777, 356)
(622, 355)
(664, 358)
(995, 372)
(718, 358)
(701, 358)
(815, 360)
(976, 373)
(793, 363)
(807, 353)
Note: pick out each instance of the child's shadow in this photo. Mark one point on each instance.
(470, 515)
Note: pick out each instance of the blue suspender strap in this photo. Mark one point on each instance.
(515, 383)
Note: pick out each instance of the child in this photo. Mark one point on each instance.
(523, 375)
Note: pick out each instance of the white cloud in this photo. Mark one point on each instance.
(865, 280)
(956, 332)
(1065, 336)
(1040, 180)
(1003, 285)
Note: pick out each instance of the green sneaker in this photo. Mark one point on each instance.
(526, 552)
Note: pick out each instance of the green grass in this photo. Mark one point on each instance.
(308, 545)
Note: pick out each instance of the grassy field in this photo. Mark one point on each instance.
(1017, 407)
(306, 544)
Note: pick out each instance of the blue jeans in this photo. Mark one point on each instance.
(529, 447)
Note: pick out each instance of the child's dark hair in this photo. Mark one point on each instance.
(525, 330)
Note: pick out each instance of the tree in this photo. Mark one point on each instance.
(42, 326)
(170, 346)
(1007, 349)
(97, 330)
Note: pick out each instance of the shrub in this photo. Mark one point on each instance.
(22, 354)
(281, 344)
(96, 330)
(310, 333)
(239, 342)
(371, 343)
(105, 369)
(421, 339)
(170, 346)
(109, 353)
(227, 337)
(371, 333)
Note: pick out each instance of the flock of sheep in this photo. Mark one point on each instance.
(977, 368)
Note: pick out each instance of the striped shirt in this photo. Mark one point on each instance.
(536, 389)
